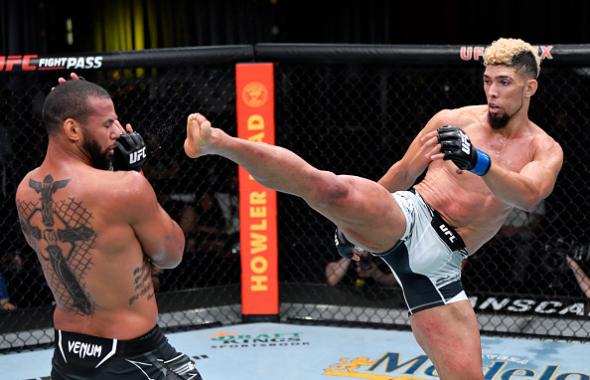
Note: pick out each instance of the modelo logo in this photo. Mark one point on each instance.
(391, 366)
(32, 62)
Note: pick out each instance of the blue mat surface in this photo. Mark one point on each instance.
(275, 351)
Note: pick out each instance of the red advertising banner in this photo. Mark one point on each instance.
(258, 204)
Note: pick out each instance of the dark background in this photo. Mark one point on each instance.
(324, 108)
(35, 26)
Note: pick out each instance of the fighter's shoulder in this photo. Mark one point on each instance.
(24, 183)
(127, 184)
(543, 141)
(458, 116)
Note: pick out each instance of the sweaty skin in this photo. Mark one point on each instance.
(99, 278)
(96, 233)
(462, 198)
(525, 163)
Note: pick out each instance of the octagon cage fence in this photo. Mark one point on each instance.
(350, 109)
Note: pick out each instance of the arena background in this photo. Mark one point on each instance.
(347, 108)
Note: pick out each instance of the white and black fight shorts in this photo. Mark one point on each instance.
(427, 260)
(80, 356)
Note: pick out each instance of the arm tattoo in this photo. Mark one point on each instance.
(64, 240)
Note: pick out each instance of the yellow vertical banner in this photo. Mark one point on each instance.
(258, 204)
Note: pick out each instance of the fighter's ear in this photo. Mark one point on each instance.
(72, 129)
(531, 87)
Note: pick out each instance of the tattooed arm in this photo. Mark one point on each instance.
(161, 238)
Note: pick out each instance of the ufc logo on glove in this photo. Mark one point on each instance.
(465, 144)
(136, 156)
(130, 152)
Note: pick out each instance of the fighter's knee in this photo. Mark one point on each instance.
(328, 189)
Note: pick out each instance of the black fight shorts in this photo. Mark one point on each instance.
(79, 356)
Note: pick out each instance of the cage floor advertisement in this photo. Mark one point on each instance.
(272, 351)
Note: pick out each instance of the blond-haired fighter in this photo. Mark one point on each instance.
(480, 162)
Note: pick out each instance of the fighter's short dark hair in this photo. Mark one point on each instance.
(525, 61)
(69, 100)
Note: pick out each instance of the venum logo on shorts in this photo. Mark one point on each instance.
(83, 349)
(448, 233)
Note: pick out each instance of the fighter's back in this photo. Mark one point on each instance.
(79, 220)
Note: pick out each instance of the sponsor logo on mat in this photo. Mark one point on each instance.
(234, 339)
(391, 366)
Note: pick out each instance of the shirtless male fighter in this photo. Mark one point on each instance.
(425, 233)
(97, 234)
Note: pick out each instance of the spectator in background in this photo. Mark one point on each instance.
(229, 203)
(203, 225)
(6, 153)
(5, 304)
(5, 157)
(358, 273)
(161, 170)
(518, 233)
(10, 265)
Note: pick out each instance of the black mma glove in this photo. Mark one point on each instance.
(456, 146)
(130, 152)
(343, 246)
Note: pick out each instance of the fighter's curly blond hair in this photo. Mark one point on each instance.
(515, 53)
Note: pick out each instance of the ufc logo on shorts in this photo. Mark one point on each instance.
(136, 156)
(465, 144)
(448, 233)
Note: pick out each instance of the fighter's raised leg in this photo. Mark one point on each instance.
(364, 210)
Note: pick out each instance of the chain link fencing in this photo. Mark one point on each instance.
(356, 119)
(347, 116)
(200, 195)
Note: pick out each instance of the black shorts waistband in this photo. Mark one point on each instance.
(147, 342)
(444, 230)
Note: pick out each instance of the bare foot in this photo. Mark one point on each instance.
(198, 133)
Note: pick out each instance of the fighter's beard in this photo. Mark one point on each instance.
(98, 159)
(498, 121)
(501, 121)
